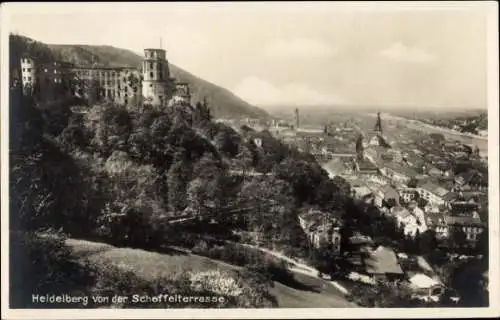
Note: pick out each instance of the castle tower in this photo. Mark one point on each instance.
(28, 74)
(157, 86)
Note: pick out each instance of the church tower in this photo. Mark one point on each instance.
(157, 86)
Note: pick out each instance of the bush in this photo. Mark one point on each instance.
(42, 265)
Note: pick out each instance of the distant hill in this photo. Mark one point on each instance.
(222, 102)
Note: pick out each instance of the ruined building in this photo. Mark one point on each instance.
(122, 85)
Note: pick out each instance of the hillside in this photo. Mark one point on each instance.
(223, 102)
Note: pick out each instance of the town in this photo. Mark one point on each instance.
(346, 209)
(424, 183)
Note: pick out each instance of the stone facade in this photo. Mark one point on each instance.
(122, 85)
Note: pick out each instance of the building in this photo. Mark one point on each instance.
(28, 74)
(432, 192)
(408, 194)
(321, 229)
(462, 203)
(121, 85)
(408, 222)
(425, 288)
(157, 86)
(182, 94)
(472, 227)
(398, 174)
(471, 180)
(382, 265)
(366, 167)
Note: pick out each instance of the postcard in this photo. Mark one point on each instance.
(249, 160)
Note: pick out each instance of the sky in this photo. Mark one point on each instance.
(295, 53)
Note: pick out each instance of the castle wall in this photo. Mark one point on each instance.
(121, 85)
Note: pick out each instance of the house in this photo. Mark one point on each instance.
(398, 173)
(382, 264)
(363, 193)
(462, 203)
(337, 167)
(321, 228)
(425, 288)
(471, 226)
(447, 225)
(432, 192)
(435, 172)
(472, 179)
(408, 194)
(419, 215)
(407, 221)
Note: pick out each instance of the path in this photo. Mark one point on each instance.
(296, 266)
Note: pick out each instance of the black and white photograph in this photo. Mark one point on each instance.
(327, 157)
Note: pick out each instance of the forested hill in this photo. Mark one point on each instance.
(225, 103)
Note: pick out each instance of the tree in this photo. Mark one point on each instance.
(413, 183)
(227, 141)
(438, 138)
(458, 238)
(270, 205)
(178, 177)
(428, 242)
(207, 191)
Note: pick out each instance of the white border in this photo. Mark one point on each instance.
(8, 9)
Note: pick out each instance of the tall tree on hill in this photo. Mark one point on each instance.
(179, 176)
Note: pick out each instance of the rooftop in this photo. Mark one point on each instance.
(383, 260)
(422, 281)
(462, 220)
(401, 212)
(314, 218)
(362, 191)
(402, 169)
(434, 188)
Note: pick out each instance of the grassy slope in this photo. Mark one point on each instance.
(152, 265)
(223, 102)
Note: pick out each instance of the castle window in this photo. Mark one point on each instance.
(150, 85)
(55, 71)
(29, 78)
(151, 65)
(28, 69)
(151, 74)
(46, 70)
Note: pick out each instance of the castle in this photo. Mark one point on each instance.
(123, 85)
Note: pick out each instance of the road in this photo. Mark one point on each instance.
(297, 266)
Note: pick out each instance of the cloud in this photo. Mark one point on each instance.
(264, 93)
(403, 53)
(298, 48)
